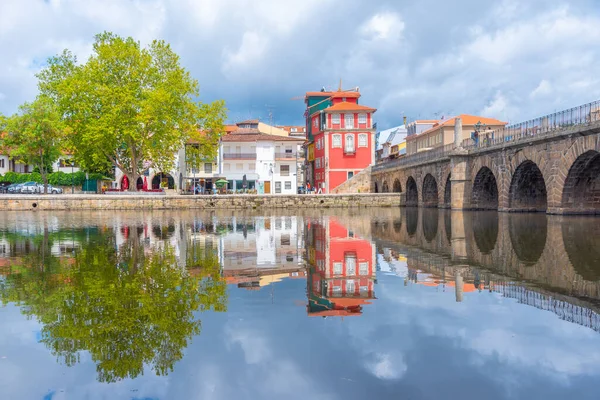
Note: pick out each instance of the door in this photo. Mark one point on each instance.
(268, 187)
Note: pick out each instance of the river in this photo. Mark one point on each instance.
(323, 304)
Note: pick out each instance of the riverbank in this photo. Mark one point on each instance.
(66, 202)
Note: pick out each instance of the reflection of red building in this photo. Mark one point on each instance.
(342, 270)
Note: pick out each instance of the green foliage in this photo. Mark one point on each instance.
(58, 178)
(34, 135)
(129, 104)
(129, 307)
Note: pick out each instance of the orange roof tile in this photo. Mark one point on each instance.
(345, 106)
(248, 121)
(350, 94)
(252, 135)
(467, 120)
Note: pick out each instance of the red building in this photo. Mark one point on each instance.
(341, 137)
(342, 267)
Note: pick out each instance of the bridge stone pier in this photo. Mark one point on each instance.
(551, 164)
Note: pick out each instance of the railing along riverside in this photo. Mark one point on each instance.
(576, 116)
(418, 158)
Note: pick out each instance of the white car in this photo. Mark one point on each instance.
(30, 187)
(51, 189)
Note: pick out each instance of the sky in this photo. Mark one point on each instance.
(509, 59)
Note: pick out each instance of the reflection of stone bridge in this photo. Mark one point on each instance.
(558, 264)
(549, 164)
(556, 253)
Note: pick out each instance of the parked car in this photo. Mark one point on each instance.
(50, 189)
(30, 187)
(4, 187)
(14, 188)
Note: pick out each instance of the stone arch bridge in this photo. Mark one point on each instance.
(550, 164)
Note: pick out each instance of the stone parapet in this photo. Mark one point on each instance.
(240, 202)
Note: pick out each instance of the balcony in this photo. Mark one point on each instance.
(349, 150)
(285, 156)
(239, 156)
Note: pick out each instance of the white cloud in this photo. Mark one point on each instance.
(387, 366)
(384, 26)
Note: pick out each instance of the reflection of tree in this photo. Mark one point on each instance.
(128, 308)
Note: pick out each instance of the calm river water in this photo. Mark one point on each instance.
(377, 304)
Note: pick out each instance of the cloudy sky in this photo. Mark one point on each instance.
(510, 59)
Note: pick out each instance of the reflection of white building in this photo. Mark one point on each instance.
(263, 243)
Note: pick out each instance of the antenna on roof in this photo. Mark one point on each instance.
(270, 109)
(340, 87)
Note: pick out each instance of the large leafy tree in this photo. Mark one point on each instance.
(130, 306)
(132, 106)
(34, 135)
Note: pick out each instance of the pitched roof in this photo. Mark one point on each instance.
(349, 94)
(467, 120)
(248, 121)
(345, 106)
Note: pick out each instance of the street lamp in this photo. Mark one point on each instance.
(72, 181)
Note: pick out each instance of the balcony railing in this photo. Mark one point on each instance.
(577, 116)
(288, 156)
(239, 156)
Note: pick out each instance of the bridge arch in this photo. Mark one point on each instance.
(412, 221)
(484, 195)
(430, 224)
(397, 186)
(528, 233)
(412, 193)
(581, 190)
(580, 242)
(385, 188)
(430, 191)
(448, 193)
(485, 231)
(527, 190)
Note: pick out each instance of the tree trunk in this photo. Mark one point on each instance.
(132, 181)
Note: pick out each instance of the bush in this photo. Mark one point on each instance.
(55, 178)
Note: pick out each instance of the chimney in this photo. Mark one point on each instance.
(404, 119)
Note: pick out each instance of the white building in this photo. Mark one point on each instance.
(269, 162)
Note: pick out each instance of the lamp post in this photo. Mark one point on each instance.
(72, 181)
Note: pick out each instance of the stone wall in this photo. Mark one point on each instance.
(359, 183)
(239, 202)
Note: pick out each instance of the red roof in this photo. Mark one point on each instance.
(349, 94)
(467, 120)
(345, 106)
(248, 121)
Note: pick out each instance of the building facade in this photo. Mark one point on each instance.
(341, 137)
(441, 133)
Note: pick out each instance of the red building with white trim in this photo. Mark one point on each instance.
(341, 137)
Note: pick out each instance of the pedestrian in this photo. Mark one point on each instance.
(308, 187)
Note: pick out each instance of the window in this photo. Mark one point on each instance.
(277, 187)
(335, 119)
(350, 264)
(337, 289)
(363, 140)
(350, 288)
(208, 168)
(349, 121)
(315, 122)
(238, 149)
(226, 149)
(250, 167)
(285, 239)
(350, 174)
(362, 118)
(336, 141)
(239, 167)
(2, 163)
(288, 149)
(284, 170)
(363, 268)
(318, 163)
(349, 143)
(226, 167)
(288, 185)
(337, 268)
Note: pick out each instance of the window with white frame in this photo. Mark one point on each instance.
(208, 168)
(336, 141)
(350, 264)
(315, 122)
(363, 140)
(350, 286)
(226, 167)
(284, 170)
(335, 119)
(288, 185)
(337, 268)
(363, 268)
(349, 121)
(226, 149)
(277, 187)
(239, 167)
(362, 118)
(349, 145)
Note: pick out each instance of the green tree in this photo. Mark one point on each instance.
(128, 307)
(35, 135)
(130, 105)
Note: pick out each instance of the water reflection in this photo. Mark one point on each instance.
(223, 297)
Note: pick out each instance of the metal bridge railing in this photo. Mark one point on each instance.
(576, 116)
(418, 158)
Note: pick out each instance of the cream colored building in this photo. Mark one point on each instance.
(442, 132)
